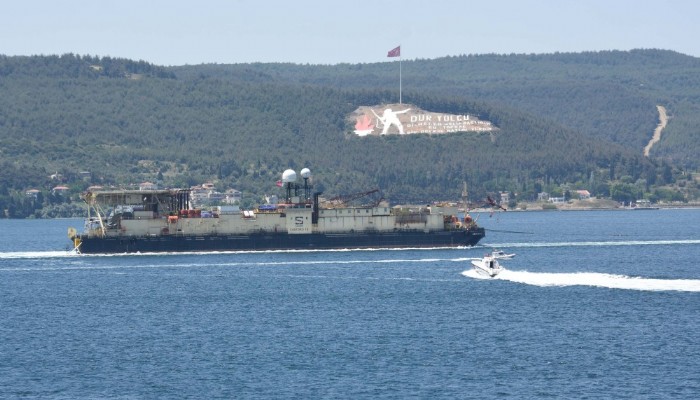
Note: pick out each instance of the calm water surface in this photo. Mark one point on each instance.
(595, 305)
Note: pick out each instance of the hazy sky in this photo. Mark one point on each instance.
(177, 32)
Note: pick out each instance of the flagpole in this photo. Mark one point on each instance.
(396, 52)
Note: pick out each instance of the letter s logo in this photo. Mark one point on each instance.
(299, 220)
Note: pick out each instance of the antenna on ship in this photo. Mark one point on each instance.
(288, 178)
(464, 195)
(306, 174)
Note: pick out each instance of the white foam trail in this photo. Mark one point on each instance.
(596, 279)
(53, 254)
(596, 244)
(471, 273)
(37, 254)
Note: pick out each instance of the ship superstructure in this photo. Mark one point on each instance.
(126, 221)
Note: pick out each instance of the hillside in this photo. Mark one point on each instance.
(121, 122)
(610, 95)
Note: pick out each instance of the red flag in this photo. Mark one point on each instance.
(394, 52)
(279, 183)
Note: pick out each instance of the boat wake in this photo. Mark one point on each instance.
(595, 244)
(55, 254)
(36, 254)
(544, 279)
(70, 253)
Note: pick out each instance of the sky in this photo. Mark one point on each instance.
(179, 32)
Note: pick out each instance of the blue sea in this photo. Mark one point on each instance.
(596, 304)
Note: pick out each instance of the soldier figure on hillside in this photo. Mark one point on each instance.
(389, 118)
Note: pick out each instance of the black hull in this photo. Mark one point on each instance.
(270, 241)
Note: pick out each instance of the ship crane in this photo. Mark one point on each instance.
(342, 200)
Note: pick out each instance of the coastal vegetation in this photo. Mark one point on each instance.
(566, 122)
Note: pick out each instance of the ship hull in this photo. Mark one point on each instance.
(279, 241)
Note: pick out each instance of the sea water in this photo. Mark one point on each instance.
(596, 304)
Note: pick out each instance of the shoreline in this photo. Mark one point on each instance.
(573, 205)
(585, 205)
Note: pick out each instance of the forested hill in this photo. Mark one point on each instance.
(610, 95)
(76, 66)
(560, 122)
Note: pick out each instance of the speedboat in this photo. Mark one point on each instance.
(501, 255)
(488, 265)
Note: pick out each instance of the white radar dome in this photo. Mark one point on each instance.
(305, 173)
(289, 176)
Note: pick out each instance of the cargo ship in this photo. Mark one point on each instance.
(156, 221)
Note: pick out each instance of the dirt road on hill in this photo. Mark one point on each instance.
(663, 119)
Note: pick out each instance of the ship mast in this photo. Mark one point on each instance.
(464, 196)
(289, 178)
(306, 174)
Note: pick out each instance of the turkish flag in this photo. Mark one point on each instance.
(394, 52)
